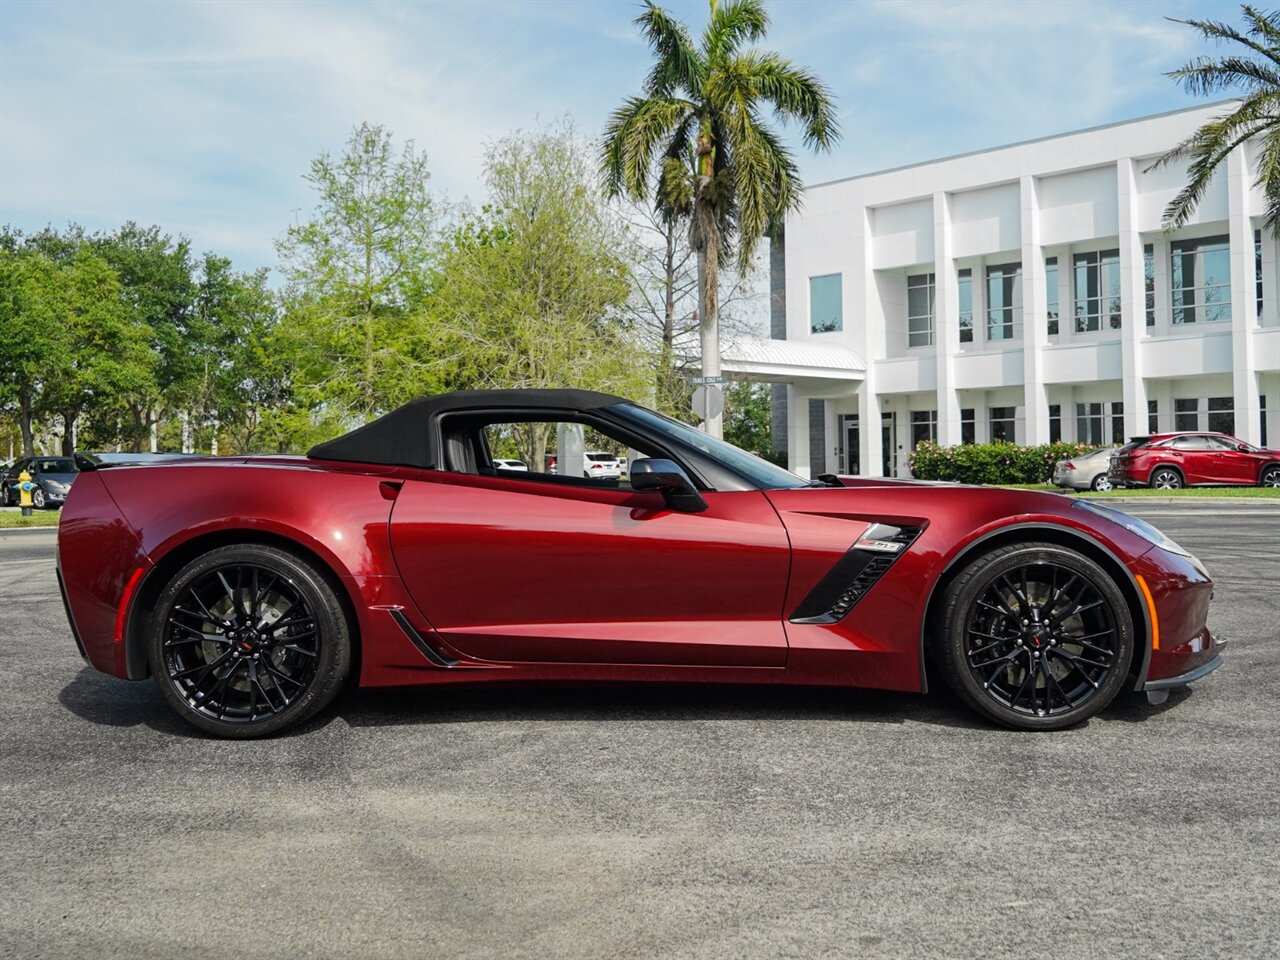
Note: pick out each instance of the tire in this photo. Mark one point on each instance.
(1058, 665)
(1101, 482)
(4, 495)
(38, 499)
(1270, 476)
(255, 666)
(1166, 478)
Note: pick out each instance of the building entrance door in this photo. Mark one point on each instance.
(888, 443)
(850, 460)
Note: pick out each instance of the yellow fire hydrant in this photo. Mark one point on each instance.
(25, 486)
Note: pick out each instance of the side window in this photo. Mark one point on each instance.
(1219, 444)
(545, 450)
(1190, 443)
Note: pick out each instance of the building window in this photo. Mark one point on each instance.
(1186, 414)
(826, 308)
(1222, 417)
(1004, 287)
(1153, 416)
(1097, 291)
(1149, 281)
(920, 290)
(1089, 417)
(1257, 267)
(1051, 293)
(968, 433)
(1001, 421)
(1117, 422)
(1055, 422)
(1201, 280)
(924, 426)
(964, 285)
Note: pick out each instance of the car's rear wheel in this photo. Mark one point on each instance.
(249, 640)
(1270, 476)
(1035, 636)
(1166, 478)
(1101, 482)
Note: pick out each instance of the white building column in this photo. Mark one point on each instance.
(1034, 334)
(1133, 301)
(797, 432)
(1243, 298)
(874, 327)
(946, 323)
(870, 443)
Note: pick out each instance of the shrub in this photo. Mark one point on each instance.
(988, 463)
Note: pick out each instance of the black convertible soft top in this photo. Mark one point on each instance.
(406, 437)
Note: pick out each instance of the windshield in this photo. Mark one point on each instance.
(755, 469)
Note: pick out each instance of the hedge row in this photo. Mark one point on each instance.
(999, 462)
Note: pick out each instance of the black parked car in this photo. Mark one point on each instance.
(52, 476)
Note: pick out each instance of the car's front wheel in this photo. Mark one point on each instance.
(38, 499)
(1270, 476)
(1101, 482)
(1035, 636)
(249, 640)
(1166, 478)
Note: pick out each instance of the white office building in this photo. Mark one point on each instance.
(1026, 292)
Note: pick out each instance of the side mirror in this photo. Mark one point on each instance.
(666, 477)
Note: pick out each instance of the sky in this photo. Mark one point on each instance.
(202, 117)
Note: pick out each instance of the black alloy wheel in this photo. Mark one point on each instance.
(1036, 636)
(1270, 476)
(249, 640)
(1166, 478)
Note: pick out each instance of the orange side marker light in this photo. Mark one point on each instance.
(1151, 609)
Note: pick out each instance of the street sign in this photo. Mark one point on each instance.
(708, 401)
(700, 380)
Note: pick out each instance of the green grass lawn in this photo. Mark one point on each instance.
(1230, 493)
(39, 518)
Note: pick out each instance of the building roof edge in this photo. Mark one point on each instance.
(1017, 143)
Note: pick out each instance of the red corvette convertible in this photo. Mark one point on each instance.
(252, 589)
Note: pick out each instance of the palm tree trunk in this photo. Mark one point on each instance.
(709, 320)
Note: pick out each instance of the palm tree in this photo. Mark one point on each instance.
(697, 133)
(1254, 70)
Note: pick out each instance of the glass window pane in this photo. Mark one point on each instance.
(826, 312)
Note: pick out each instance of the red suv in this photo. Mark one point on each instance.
(1171, 460)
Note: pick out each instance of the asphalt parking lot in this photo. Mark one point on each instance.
(632, 822)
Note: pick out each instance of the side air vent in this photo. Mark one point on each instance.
(855, 573)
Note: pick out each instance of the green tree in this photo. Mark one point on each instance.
(1252, 67)
(155, 272)
(31, 345)
(531, 290)
(747, 421)
(695, 141)
(105, 354)
(357, 271)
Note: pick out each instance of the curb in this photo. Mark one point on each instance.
(26, 531)
(1217, 501)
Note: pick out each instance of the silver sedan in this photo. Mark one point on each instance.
(1085, 472)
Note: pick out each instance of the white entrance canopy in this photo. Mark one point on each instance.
(791, 361)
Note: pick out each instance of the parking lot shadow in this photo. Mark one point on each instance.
(639, 702)
(109, 702)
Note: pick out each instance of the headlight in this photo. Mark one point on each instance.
(1135, 525)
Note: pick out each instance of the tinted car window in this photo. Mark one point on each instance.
(1191, 443)
(56, 465)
